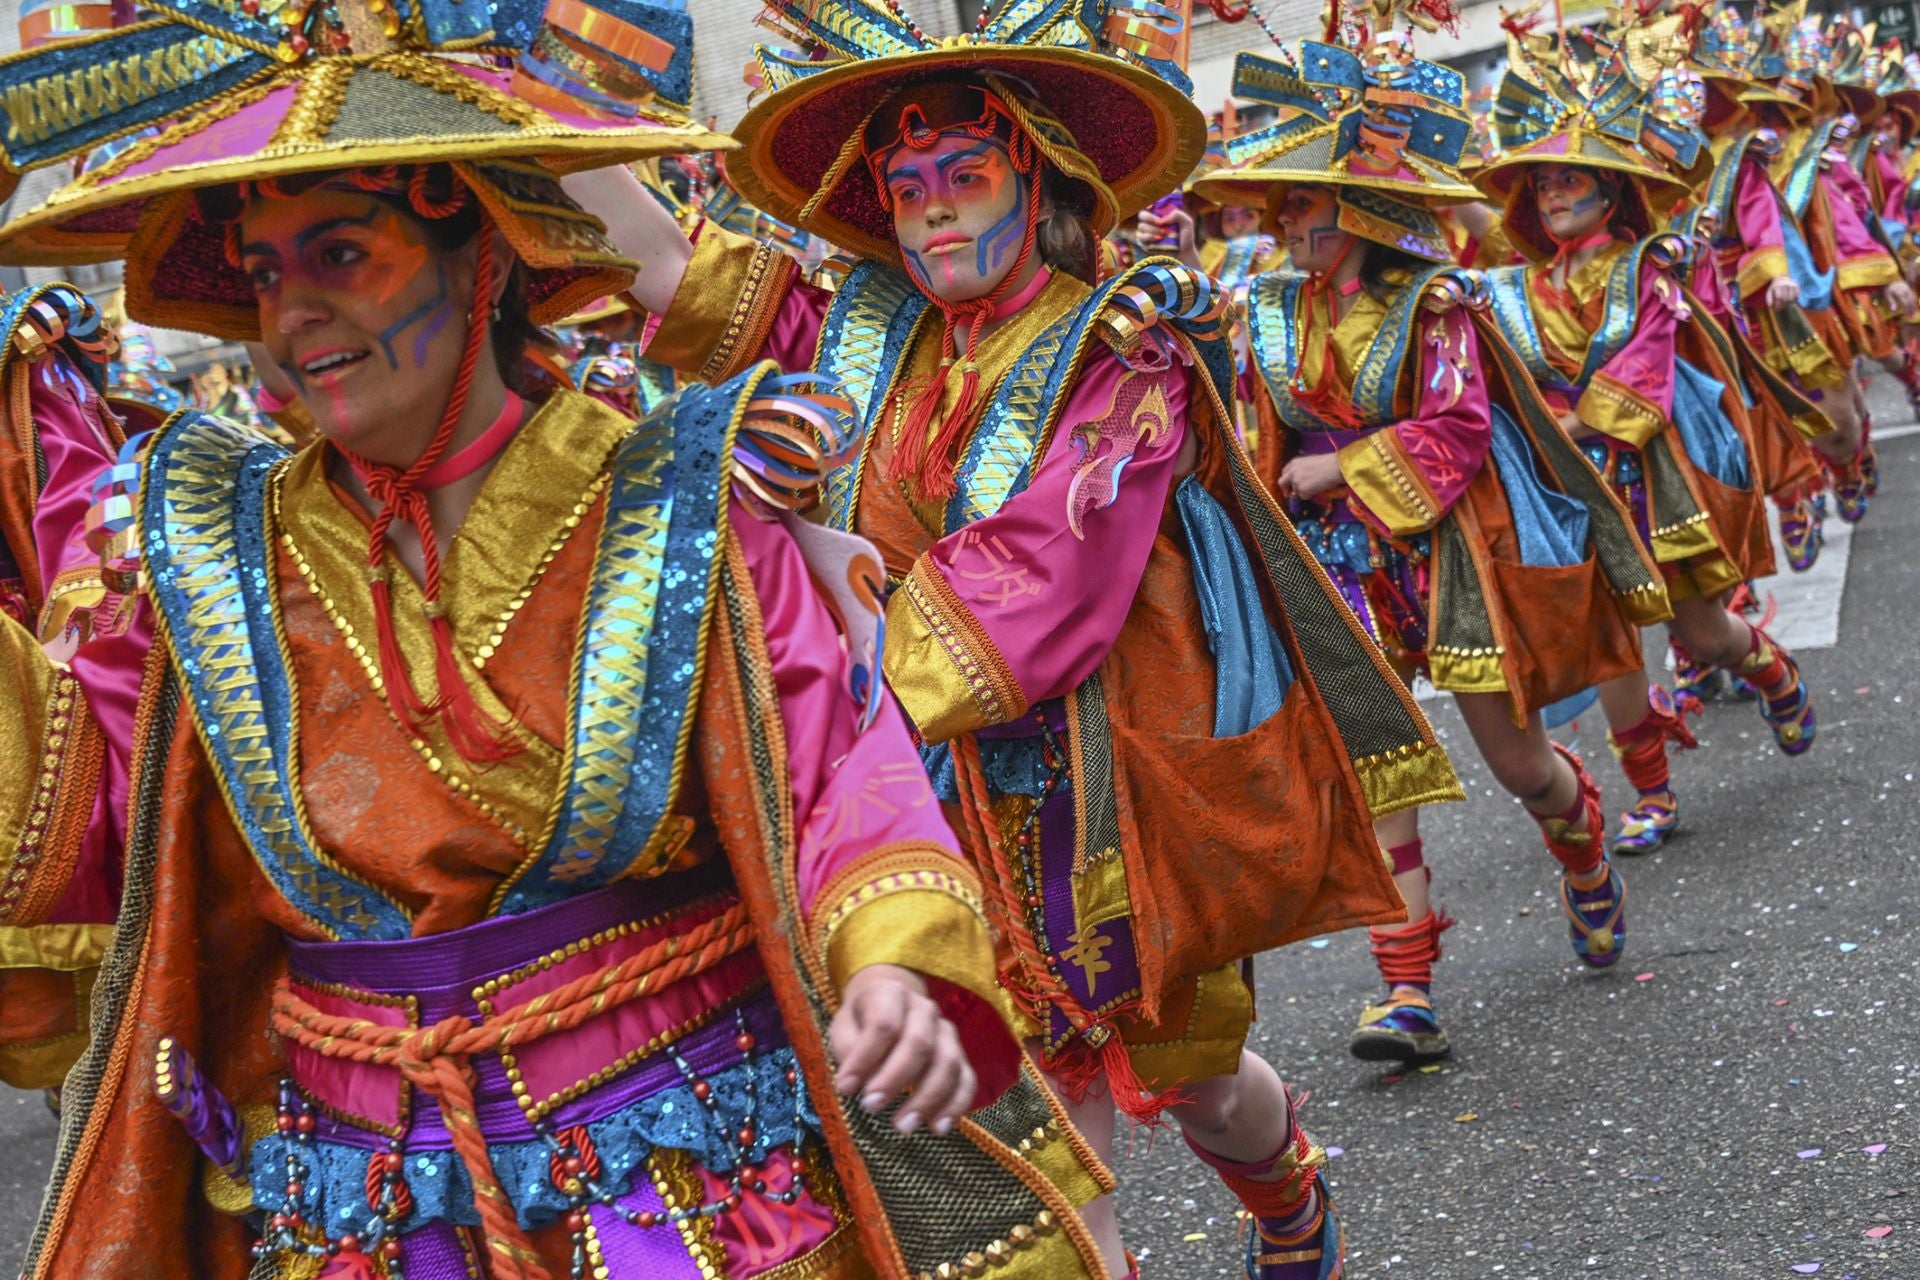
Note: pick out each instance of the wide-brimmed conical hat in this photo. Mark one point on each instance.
(1089, 66)
(220, 96)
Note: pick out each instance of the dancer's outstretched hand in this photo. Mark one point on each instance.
(889, 1038)
(1781, 290)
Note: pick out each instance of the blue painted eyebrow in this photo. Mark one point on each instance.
(943, 163)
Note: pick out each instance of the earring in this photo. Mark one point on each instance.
(496, 315)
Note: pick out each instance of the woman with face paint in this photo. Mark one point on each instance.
(1157, 770)
(1608, 331)
(521, 858)
(1410, 450)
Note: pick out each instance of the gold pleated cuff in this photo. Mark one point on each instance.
(1875, 271)
(1613, 410)
(64, 948)
(1467, 670)
(1691, 537)
(1406, 778)
(1384, 477)
(1646, 606)
(941, 664)
(929, 931)
(1761, 268)
(41, 706)
(724, 308)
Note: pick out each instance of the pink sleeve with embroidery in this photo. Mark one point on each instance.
(1025, 603)
(1644, 366)
(1425, 464)
(105, 639)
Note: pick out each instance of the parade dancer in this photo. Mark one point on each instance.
(1600, 318)
(1814, 179)
(56, 346)
(568, 952)
(1408, 447)
(1081, 627)
(1783, 306)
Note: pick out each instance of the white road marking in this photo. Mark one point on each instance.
(1809, 616)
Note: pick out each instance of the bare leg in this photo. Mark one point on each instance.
(1392, 831)
(1711, 632)
(1843, 409)
(1241, 1117)
(1522, 759)
(1094, 1118)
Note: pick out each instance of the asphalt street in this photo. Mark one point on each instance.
(1731, 1101)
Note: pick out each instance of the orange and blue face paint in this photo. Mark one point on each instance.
(961, 191)
(340, 274)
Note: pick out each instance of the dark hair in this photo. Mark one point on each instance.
(1382, 261)
(512, 328)
(1063, 239)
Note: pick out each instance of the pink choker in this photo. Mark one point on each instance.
(483, 450)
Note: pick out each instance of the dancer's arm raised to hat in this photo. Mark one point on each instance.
(639, 227)
(70, 678)
(1036, 593)
(893, 908)
(718, 303)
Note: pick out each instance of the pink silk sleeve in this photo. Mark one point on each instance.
(1756, 218)
(1851, 207)
(1415, 476)
(1894, 203)
(1037, 592)
(881, 878)
(1631, 396)
(109, 662)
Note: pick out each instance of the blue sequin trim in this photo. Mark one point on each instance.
(335, 1195)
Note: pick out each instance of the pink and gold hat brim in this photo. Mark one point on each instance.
(340, 113)
(1141, 133)
(1577, 147)
(1651, 192)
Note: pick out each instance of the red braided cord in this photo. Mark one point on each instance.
(400, 497)
(996, 873)
(924, 461)
(1406, 952)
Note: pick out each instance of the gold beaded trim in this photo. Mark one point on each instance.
(371, 666)
(27, 849)
(596, 1260)
(671, 1178)
(952, 885)
(997, 1253)
(497, 632)
(487, 995)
